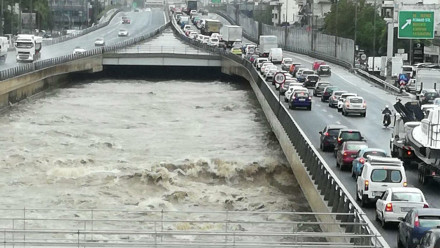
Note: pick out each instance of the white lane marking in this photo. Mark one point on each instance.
(331, 116)
(324, 110)
(338, 122)
(164, 18)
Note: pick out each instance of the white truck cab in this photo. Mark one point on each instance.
(28, 47)
(4, 46)
(378, 174)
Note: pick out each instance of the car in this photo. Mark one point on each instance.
(300, 99)
(78, 51)
(361, 157)
(259, 62)
(416, 223)
(193, 35)
(123, 32)
(396, 202)
(333, 100)
(100, 42)
(268, 68)
(289, 82)
(213, 42)
(319, 88)
(200, 38)
(264, 65)
(186, 28)
(270, 73)
(125, 20)
(347, 135)
(316, 64)
(324, 70)
(378, 175)
(311, 81)
(285, 63)
(195, 20)
(431, 239)
(347, 153)
(236, 50)
(193, 12)
(253, 57)
(327, 92)
(427, 96)
(354, 105)
(291, 90)
(341, 100)
(302, 77)
(328, 136)
(205, 39)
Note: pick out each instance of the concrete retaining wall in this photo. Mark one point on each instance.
(18, 88)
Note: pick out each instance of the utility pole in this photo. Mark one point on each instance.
(32, 20)
(19, 16)
(355, 29)
(1, 19)
(374, 34)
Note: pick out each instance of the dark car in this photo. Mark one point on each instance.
(319, 88)
(328, 136)
(348, 152)
(347, 135)
(327, 92)
(427, 96)
(431, 239)
(311, 81)
(300, 99)
(324, 70)
(415, 224)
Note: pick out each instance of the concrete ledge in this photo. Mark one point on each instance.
(305, 181)
(18, 88)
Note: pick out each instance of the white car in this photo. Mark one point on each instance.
(396, 202)
(205, 39)
(260, 61)
(271, 73)
(78, 51)
(268, 68)
(186, 28)
(200, 38)
(213, 41)
(293, 89)
(264, 65)
(100, 42)
(341, 99)
(123, 32)
(193, 35)
(215, 35)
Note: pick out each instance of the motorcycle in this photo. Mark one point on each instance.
(386, 119)
(402, 85)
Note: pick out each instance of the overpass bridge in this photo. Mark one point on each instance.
(330, 199)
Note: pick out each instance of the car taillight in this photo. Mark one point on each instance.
(389, 207)
(310, 98)
(365, 104)
(425, 205)
(416, 221)
(405, 184)
(326, 134)
(345, 154)
(325, 93)
(339, 140)
(293, 98)
(362, 160)
(408, 152)
(366, 184)
(348, 105)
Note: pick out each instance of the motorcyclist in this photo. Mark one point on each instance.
(387, 115)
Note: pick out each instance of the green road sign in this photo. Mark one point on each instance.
(135, 5)
(215, 1)
(416, 24)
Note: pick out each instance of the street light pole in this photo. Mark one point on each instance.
(355, 30)
(374, 34)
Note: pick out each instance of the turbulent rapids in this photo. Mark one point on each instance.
(135, 144)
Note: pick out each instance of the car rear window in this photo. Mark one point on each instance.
(302, 94)
(407, 196)
(355, 147)
(386, 176)
(308, 72)
(429, 221)
(312, 77)
(431, 95)
(356, 100)
(374, 153)
(333, 132)
(351, 136)
(338, 93)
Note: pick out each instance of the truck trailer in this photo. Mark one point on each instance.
(231, 34)
(267, 42)
(211, 26)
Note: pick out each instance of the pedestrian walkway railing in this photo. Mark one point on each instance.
(162, 228)
(331, 188)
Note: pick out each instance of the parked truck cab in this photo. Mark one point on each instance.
(28, 47)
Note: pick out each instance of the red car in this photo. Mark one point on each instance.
(125, 21)
(348, 152)
(316, 64)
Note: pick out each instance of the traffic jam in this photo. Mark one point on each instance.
(379, 173)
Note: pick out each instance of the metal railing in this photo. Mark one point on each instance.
(162, 228)
(326, 181)
(41, 64)
(378, 81)
(80, 33)
(146, 48)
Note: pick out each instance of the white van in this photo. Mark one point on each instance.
(378, 174)
(276, 55)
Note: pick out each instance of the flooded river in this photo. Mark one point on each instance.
(148, 145)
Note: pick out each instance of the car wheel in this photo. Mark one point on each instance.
(339, 110)
(321, 146)
(290, 106)
(364, 201)
(337, 164)
(383, 223)
(357, 194)
(376, 216)
(310, 107)
(399, 243)
(285, 99)
(352, 172)
(343, 113)
(364, 115)
(322, 99)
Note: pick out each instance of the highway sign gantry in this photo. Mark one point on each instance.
(416, 24)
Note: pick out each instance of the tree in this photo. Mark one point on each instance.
(340, 22)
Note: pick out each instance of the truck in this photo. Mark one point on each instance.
(211, 26)
(191, 5)
(4, 46)
(427, 78)
(231, 34)
(377, 62)
(28, 47)
(408, 117)
(396, 66)
(267, 42)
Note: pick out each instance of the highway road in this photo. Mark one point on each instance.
(311, 122)
(141, 22)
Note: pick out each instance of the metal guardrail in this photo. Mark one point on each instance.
(378, 81)
(146, 48)
(41, 64)
(162, 228)
(80, 33)
(329, 185)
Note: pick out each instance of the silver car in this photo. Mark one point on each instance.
(354, 105)
(333, 100)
